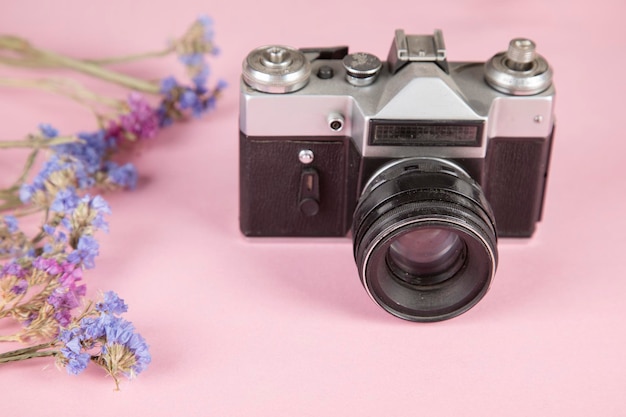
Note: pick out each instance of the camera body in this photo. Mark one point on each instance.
(321, 129)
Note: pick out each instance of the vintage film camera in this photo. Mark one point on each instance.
(426, 162)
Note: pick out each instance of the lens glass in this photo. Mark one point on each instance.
(426, 255)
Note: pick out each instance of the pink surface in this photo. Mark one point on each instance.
(242, 327)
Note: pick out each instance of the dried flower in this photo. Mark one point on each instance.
(107, 339)
(124, 176)
(112, 303)
(42, 285)
(9, 223)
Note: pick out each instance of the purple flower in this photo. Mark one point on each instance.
(20, 288)
(86, 251)
(142, 121)
(70, 275)
(49, 265)
(12, 269)
(112, 304)
(67, 296)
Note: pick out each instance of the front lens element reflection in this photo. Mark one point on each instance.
(426, 251)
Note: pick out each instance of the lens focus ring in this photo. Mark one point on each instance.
(399, 212)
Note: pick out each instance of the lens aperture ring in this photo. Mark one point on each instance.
(421, 187)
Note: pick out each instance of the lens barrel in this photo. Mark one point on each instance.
(424, 239)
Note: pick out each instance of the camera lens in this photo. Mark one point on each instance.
(424, 239)
(426, 256)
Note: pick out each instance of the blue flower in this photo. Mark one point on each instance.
(165, 119)
(65, 201)
(112, 304)
(192, 99)
(205, 20)
(98, 205)
(118, 330)
(200, 78)
(52, 165)
(139, 347)
(83, 158)
(221, 84)
(125, 176)
(76, 359)
(26, 192)
(93, 327)
(86, 251)
(48, 131)
(11, 223)
(192, 60)
(77, 363)
(66, 335)
(189, 99)
(112, 335)
(89, 153)
(49, 230)
(168, 84)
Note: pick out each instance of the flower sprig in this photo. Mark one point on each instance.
(42, 285)
(99, 335)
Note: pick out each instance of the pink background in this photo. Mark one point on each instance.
(242, 327)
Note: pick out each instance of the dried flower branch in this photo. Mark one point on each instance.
(41, 284)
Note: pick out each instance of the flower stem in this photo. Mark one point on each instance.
(28, 353)
(10, 338)
(131, 58)
(11, 203)
(33, 57)
(38, 143)
(27, 350)
(27, 167)
(67, 88)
